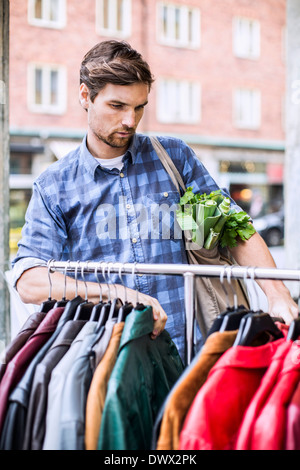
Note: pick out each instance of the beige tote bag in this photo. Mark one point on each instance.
(211, 298)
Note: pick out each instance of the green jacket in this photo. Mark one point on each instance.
(143, 375)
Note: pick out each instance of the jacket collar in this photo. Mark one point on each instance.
(138, 323)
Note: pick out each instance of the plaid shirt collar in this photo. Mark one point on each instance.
(91, 164)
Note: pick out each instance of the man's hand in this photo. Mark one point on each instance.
(33, 287)
(254, 252)
(280, 302)
(159, 315)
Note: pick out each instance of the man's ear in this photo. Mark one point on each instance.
(84, 96)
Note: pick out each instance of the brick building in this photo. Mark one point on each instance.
(220, 84)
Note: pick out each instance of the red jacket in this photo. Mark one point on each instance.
(215, 416)
(270, 427)
(244, 441)
(292, 437)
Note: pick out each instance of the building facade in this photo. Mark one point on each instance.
(219, 72)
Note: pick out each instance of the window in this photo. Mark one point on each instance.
(47, 88)
(179, 101)
(20, 164)
(18, 203)
(246, 38)
(178, 25)
(247, 108)
(47, 13)
(113, 17)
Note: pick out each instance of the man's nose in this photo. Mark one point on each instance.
(129, 119)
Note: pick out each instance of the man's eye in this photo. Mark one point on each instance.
(116, 106)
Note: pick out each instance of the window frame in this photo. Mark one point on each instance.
(178, 93)
(252, 123)
(46, 107)
(252, 50)
(45, 22)
(112, 31)
(168, 38)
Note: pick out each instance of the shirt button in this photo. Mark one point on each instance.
(134, 240)
(128, 206)
(122, 175)
(166, 194)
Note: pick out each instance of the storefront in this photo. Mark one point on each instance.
(256, 186)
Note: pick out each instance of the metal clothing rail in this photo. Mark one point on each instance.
(238, 272)
(186, 270)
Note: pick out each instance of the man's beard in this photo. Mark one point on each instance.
(116, 142)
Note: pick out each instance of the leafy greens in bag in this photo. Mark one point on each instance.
(211, 220)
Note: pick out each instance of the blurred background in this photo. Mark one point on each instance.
(220, 86)
(221, 70)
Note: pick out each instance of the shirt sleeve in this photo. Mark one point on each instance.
(44, 234)
(23, 265)
(195, 174)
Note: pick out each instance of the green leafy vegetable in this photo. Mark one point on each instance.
(211, 220)
(237, 225)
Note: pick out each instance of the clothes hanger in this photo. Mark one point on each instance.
(84, 310)
(71, 306)
(116, 302)
(138, 305)
(255, 324)
(63, 302)
(48, 304)
(228, 270)
(218, 321)
(294, 328)
(232, 319)
(127, 307)
(97, 307)
(104, 314)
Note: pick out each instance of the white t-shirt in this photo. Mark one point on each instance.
(111, 163)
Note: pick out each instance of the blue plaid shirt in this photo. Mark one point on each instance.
(81, 211)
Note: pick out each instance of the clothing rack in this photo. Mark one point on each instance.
(186, 270)
(238, 272)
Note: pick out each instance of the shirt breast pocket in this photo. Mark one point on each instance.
(161, 210)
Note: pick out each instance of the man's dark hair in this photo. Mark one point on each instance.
(113, 62)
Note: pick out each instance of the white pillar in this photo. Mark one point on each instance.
(292, 154)
(4, 172)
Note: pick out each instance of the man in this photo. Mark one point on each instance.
(103, 201)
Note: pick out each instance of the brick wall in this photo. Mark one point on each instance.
(213, 64)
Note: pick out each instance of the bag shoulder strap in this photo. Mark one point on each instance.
(168, 164)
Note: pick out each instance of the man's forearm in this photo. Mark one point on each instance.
(33, 286)
(254, 252)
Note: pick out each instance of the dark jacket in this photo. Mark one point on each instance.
(26, 331)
